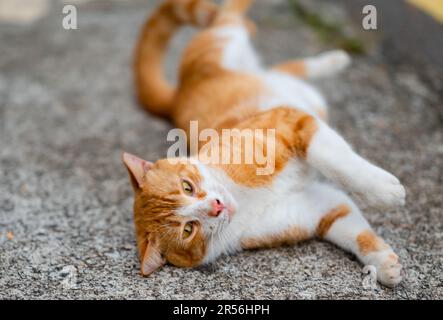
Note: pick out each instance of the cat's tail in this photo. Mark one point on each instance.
(153, 90)
(237, 6)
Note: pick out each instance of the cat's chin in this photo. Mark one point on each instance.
(226, 215)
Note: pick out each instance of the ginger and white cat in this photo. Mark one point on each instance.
(188, 213)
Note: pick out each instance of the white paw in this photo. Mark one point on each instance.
(381, 189)
(337, 59)
(388, 269)
(329, 63)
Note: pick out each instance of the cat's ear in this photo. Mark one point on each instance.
(137, 169)
(152, 258)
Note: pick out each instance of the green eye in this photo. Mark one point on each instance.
(187, 188)
(187, 231)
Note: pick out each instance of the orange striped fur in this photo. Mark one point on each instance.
(368, 242)
(286, 237)
(329, 219)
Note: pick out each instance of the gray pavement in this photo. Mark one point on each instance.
(67, 110)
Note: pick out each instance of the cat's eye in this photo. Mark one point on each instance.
(187, 188)
(187, 230)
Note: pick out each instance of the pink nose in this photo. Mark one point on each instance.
(217, 208)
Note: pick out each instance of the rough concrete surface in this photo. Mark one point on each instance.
(67, 111)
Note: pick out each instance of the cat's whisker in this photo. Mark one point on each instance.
(212, 244)
(223, 241)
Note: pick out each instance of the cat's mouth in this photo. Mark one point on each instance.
(226, 214)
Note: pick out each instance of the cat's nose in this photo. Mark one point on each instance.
(217, 208)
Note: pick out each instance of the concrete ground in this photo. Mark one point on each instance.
(67, 111)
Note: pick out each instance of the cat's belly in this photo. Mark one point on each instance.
(286, 90)
(269, 209)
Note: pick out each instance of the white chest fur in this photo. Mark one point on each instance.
(261, 210)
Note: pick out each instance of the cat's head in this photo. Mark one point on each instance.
(178, 209)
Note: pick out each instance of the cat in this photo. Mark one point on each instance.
(188, 213)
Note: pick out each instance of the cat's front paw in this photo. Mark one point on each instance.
(387, 267)
(383, 190)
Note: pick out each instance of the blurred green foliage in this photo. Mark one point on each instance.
(328, 32)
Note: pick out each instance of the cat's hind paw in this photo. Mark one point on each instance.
(388, 268)
(328, 63)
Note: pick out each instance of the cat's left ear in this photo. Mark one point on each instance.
(137, 169)
(152, 258)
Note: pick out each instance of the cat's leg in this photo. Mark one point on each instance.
(311, 139)
(238, 53)
(324, 65)
(322, 211)
(233, 29)
(329, 153)
(339, 221)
